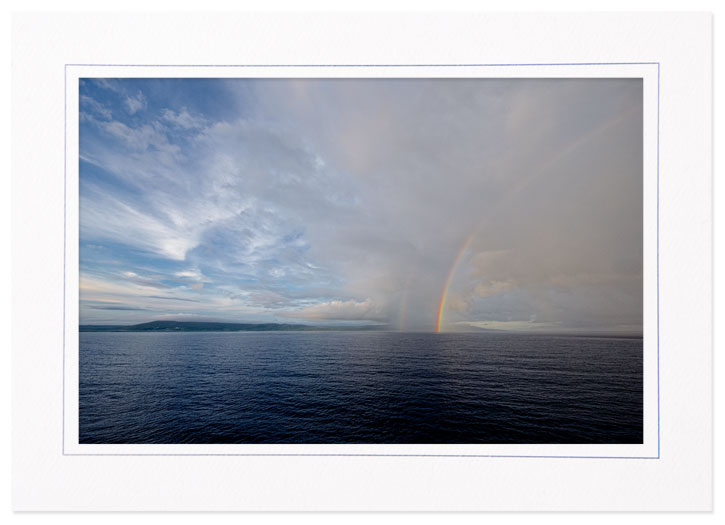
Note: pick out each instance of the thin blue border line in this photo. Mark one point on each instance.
(384, 455)
(658, 260)
(371, 65)
(65, 220)
(65, 116)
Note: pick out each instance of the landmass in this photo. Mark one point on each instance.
(199, 326)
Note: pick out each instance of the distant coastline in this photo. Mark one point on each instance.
(199, 326)
(203, 326)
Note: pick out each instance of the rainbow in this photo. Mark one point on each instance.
(451, 273)
(542, 169)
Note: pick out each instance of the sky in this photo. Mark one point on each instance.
(415, 204)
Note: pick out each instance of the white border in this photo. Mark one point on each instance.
(45, 479)
(647, 72)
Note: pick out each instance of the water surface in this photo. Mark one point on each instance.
(358, 387)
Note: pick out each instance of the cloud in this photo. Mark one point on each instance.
(135, 103)
(183, 119)
(114, 307)
(172, 298)
(529, 326)
(340, 311)
(94, 107)
(106, 218)
(350, 199)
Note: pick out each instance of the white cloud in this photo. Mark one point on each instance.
(183, 119)
(135, 103)
(340, 311)
(194, 275)
(95, 107)
(105, 218)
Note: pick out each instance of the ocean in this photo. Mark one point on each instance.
(359, 387)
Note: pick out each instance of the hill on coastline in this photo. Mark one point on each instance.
(200, 326)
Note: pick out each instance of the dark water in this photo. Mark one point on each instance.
(358, 387)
